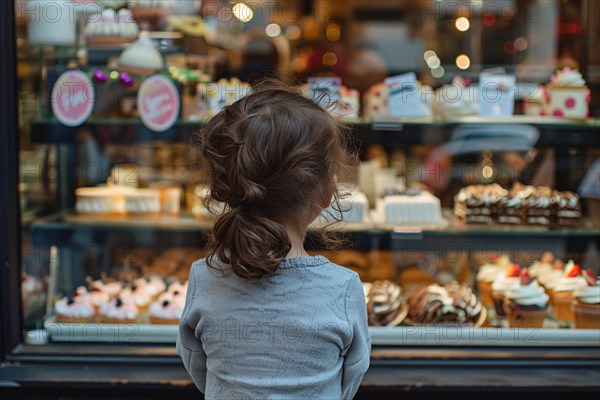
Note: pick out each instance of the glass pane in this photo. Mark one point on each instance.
(112, 191)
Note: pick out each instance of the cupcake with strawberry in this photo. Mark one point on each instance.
(504, 281)
(526, 303)
(563, 291)
(586, 305)
(543, 266)
(549, 278)
(486, 275)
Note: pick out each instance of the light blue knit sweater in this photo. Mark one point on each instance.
(301, 334)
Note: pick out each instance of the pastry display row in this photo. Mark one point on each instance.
(521, 204)
(149, 287)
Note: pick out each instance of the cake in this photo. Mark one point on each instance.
(375, 101)
(142, 202)
(108, 201)
(568, 209)
(351, 208)
(586, 305)
(486, 275)
(562, 291)
(119, 311)
(510, 208)
(533, 103)
(522, 204)
(452, 304)
(539, 206)
(525, 304)
(567, 95)
(110, 28)
(502, 284)
(385, 303)
(413, 207)
(348, 105)
(74, 310)
(141, 57)
(549, 278)
(456, 100)
(477, 203)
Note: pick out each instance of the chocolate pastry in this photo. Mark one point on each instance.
(452, 304)
(385, 303)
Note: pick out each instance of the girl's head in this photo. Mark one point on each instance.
(273, 158)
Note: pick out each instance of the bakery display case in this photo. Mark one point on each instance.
(473, 221)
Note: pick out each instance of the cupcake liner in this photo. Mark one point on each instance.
(498, 300)
(485, 293)
(562, 306)
(72, 320)
(587, 316)
(106, 320)
(520, 318)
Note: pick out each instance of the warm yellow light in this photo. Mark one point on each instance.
(114, 75)
(521, 43)
(487, 171)
(333, 32)
(438, 72)
(463, 61)
(462, 24)
(273, 30)
(330, 59)
(293, 32)
(242, 12)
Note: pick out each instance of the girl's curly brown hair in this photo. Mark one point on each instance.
(270, 156)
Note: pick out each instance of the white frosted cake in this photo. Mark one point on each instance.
(100, 200)
(410, 209)
(354, 208)
(143, 202)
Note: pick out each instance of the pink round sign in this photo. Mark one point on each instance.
(158, 103)
(72, 98)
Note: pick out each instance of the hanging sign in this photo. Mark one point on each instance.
(158, 103)
(72, 98)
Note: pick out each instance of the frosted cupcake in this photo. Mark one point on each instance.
(586, 306)
(504, 281)
(563, 291)
(97, 297)
(167, 310)
(525, 304)
(177, 288)
(567, 95)
(152, 284)
(74, 310)
(486, 275)
(549, 278)
(119, 311)
(139, 295)
(543, 266)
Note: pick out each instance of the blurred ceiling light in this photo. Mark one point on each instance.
(463, 61)
(521, 44)
(330, 59)
(462, 24)
(433, 62)
(333, 32)
(293, 32)
(242, 12)
(273, 30)
(438, 72)
(428, 54)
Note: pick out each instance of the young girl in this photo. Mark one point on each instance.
(263, 319)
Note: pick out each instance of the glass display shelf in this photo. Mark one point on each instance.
(553, 132)
(67, 220)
